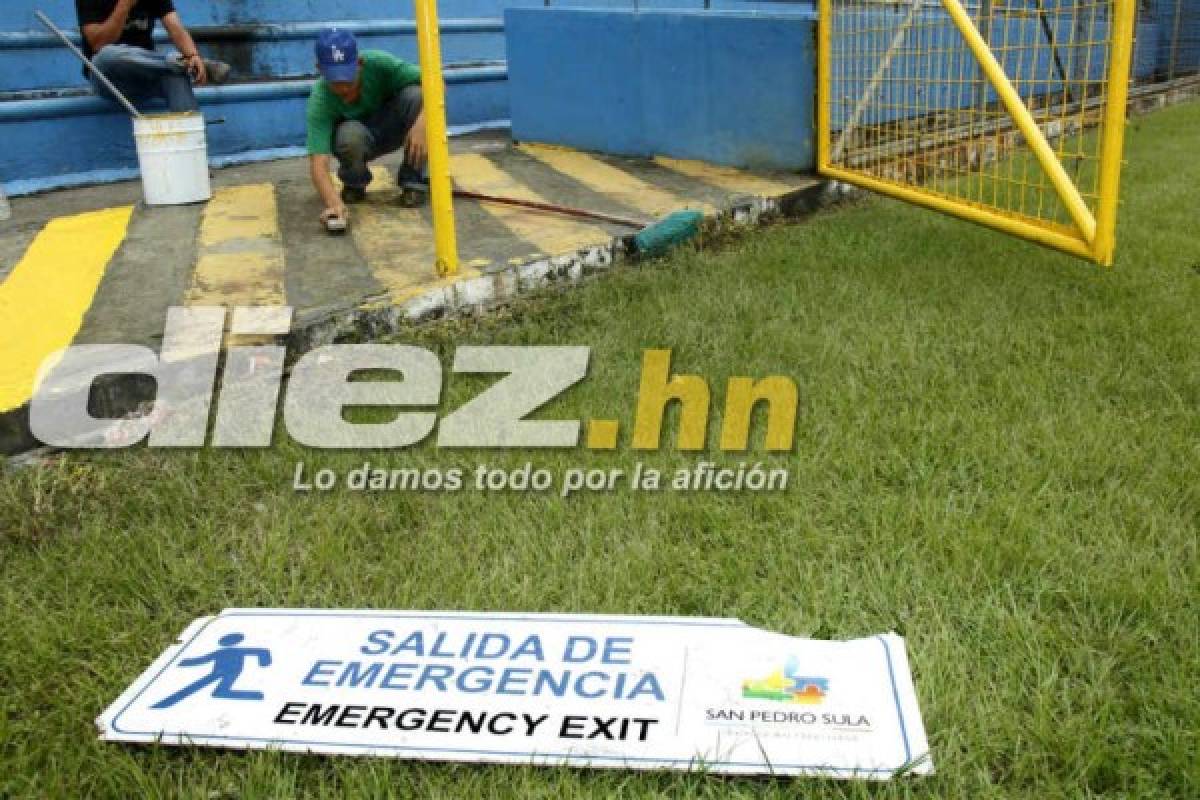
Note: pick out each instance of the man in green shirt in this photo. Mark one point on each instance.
(364, 106)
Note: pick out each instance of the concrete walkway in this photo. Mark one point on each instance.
(95, 266)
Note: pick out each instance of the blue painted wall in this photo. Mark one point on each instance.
(720, 86)
(661, 83)
(683, 68)
(260, 38)
(64, 137)
(1178, 35)
(18, 14)
(69, 141)
(57, 134)
(272, 38)
(275, 50)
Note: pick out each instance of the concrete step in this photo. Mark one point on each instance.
(72, 138)
(36, 59)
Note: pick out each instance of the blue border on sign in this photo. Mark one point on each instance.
(887, 651)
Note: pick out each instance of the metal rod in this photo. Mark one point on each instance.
(872, 88)
(824, 83)
(1173, 58)
(550, 208)
(1048, 32)
(1112, 132)
(986, 9)
(1081, 215)
(433, 89)
(103, 78)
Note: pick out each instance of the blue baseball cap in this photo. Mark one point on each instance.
(337, 55)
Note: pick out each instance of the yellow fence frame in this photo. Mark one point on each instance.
(433, 91)
(1096, 237)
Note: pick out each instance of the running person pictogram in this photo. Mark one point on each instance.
(228, 662)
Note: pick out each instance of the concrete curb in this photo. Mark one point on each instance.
(379, 317)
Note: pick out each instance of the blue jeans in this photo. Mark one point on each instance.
(356, 143)
(144, 75)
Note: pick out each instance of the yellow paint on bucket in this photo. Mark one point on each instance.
(173, 155)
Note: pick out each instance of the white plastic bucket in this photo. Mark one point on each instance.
(173, 155)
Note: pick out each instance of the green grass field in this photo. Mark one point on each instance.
(998, 456)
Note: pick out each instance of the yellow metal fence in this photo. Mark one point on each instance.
(1009, 113)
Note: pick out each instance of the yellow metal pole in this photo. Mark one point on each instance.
(433, 90)
(1112, 131)
(824, 82)
(1025, 122)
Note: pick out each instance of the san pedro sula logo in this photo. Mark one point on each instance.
(211, 388)
(789, 686)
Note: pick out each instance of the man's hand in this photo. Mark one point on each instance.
(101, 35)
(335, 212)
(195, 67)
(190, 56)
(415, 148)
(335, 208)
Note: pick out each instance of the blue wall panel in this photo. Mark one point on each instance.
(1177, 37)
(1145, 50)
(725, 87)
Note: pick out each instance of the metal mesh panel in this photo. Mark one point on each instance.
(1018, 143)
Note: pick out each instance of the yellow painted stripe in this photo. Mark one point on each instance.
(397, 243)
(627, 189)
(43, 300)
(730, 179)
(241, 252)
(548, 233)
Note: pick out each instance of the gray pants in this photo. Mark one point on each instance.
(355, 143)
(144, 75)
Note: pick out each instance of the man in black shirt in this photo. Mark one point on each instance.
(118, 35)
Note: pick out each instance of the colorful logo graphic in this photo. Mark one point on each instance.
(787, 685)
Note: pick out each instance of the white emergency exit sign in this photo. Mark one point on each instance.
(545, 689)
